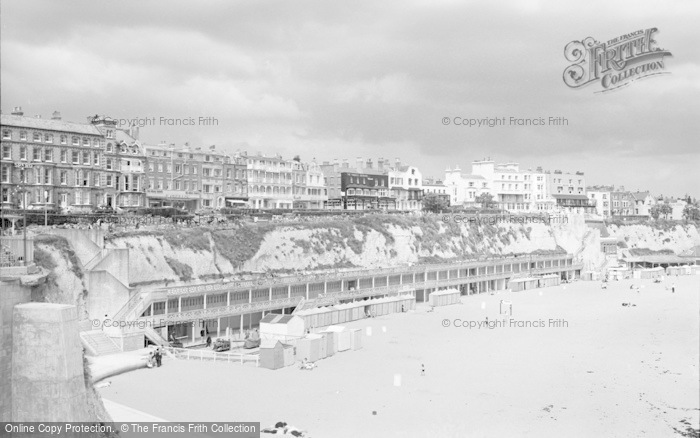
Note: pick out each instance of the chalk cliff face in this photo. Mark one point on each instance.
(196, 255)
(203, 254)
(677, 238)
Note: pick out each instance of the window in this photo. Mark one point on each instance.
(194, 170)
(96, 159)
(167, 168)
(96, 179)
(96, 142)
(109, 147)
(48, 138)
(6, 134)
(75, 140)
(177, 185)
(64, 177)
(217, 173)
(75, 157)
(178, 168)
(86, 141)
(6, 152)
(228, 173)
(5, 177)
(206, 171)
(217, 189)
(86, 158)
(23, 135)
(108, 181)
(160, 184)
(36, 156)
(64, 139)
(48, 154)
(110, 134)
(37, 136)
(160, 167)
(194, 186)
(47, 176)
(86, 178)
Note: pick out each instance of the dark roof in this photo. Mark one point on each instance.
(658, 258)
(48, 124)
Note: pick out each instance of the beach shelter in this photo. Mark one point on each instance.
(555, 280)
(309, 348)
(520, 284)
(445, 297)
(356, 339)
(288, 355)
(271, 354)
(281, 327)
(329, 340)
(342, 337)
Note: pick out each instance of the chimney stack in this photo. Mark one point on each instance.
(369, 163)
(359, 163)
(17, 111)
(56, 116)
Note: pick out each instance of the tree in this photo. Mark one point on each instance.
(691, 212)
(486, 200)
(434, 203)
(655, 211)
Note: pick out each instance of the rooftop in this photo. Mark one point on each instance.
(48, 124)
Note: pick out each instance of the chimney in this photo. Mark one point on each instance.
(380, 163)
(134, 132)
(358, 162)
(56, 116)
(346, 165)
(398, 163)
(17, 111)
(369, 163)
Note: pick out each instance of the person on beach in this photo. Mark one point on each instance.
(151, 360)
(208, 341)
(159, 357)
(673, 288)
(422, 369)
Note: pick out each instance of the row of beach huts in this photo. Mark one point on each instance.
(314, 334)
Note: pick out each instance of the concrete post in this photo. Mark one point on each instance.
(12, 294)
(48, 378)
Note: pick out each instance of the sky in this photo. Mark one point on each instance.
(329, 79)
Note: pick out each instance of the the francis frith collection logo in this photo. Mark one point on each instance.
(616, 63)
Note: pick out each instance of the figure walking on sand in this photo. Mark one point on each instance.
(422, 369)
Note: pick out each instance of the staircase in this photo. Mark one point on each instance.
(98, 343)
(320, 301)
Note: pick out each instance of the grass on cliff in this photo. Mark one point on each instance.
(43, 258)
(182, 270)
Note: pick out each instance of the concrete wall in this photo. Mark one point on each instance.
(48, 378)
(106, 294)
(85, 243)
(116, 262)
(11, 294)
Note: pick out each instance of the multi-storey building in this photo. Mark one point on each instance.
(622, 202)
(643, 202)
(270, 181)
(359, 187)
(406, 185)
(309, 189)
(569, 191)
(125, 165)
(193, 178)
(54, 164)
(464, 188)
(536, 191)
(432, 186)
(602, 196)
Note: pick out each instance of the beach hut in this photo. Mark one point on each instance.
(309, 348)
(445, 297)
(329, 340)
(555, 280)
(272, 354)
(281, 327)
(356, 339)
(521, 284)
(649, 273)
(341, 336)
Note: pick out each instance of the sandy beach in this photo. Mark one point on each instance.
(593, 368)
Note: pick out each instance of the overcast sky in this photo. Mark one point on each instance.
(372, 78)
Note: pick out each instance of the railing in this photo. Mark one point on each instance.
(216, 356)
(15, 246)
(312, 278)
(137, 304)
